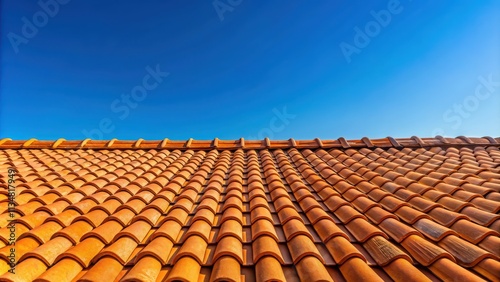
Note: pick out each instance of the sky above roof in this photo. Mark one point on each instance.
(252, 69)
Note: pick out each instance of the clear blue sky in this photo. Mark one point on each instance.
(241, 68)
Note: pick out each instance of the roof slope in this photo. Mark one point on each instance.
(319, 210)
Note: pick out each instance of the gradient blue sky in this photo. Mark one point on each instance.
(422, 73)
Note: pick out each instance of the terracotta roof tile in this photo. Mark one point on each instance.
(302, 246)
(229, 246)
(432, 230)
(401, 269)
(48, 252)
(105, 232)
(491, 243)
(42, 233)
(342, 250)
(227, 268)
(186, 269)
(106, 268)
(355, 269)
(397, 230)
(466, 253)
(472, 232)
(424, 251)
(485, 268)
(447, 270)
(446, 217)
(84, 252)
(414, 209)
(362, 230)
(383, 251)
(146, 269)
(120, 250)
(269, 269)
(195, 247)
(377, 215)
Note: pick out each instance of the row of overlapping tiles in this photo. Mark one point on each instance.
(85, 211)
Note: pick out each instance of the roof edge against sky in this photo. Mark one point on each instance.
(412, 142)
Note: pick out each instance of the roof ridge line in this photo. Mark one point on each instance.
(266, 143)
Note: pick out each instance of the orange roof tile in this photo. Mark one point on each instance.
(415, 209)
